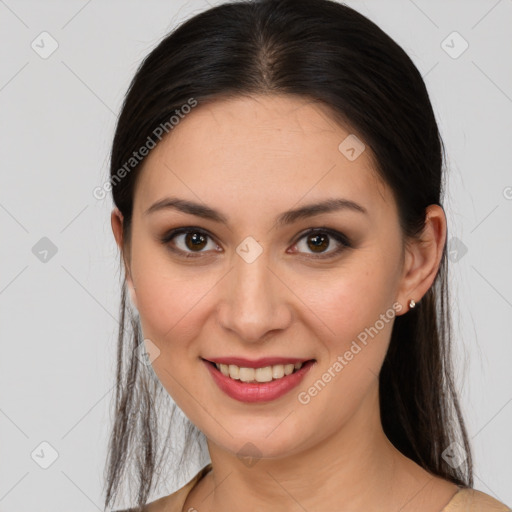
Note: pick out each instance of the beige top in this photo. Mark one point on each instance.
(464, 500)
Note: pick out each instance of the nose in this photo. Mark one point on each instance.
(255, 301)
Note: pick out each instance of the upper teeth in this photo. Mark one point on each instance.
(265, 374)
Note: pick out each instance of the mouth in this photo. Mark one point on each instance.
(256, 383)
(257, 372)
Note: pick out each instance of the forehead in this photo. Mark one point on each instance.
(261, 150)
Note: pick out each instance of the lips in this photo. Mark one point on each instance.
(258, 392)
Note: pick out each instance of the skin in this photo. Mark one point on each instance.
(252, 159)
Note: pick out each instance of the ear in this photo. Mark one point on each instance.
(423, 257)
(116, 220)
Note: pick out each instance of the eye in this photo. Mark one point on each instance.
(189, 240)
(319, 239)
(192, 240)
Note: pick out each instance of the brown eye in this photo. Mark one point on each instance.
(191, 242)
(317, 241)
(188, 241)
(195, 240)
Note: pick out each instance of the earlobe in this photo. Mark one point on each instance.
(131, 290)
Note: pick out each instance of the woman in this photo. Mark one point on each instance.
(277, 173)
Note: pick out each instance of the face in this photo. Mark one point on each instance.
(254, 284)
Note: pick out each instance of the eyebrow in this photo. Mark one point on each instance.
(288, 217)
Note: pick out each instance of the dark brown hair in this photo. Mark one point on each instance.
(327, 52)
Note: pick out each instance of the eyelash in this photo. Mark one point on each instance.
(338, 237)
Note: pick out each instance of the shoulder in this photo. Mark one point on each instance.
(174, 502)
(471, 500)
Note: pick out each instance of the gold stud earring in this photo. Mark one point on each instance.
(412, 303)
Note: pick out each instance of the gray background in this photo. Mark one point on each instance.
(58, 312)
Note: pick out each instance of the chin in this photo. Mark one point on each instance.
(263, 440)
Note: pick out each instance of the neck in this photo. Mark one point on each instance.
(356, 468)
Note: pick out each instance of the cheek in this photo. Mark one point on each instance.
(168, 297)
(357, 317)
(344, 302)
(171, 316)
(170, 309)
(351, 313)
